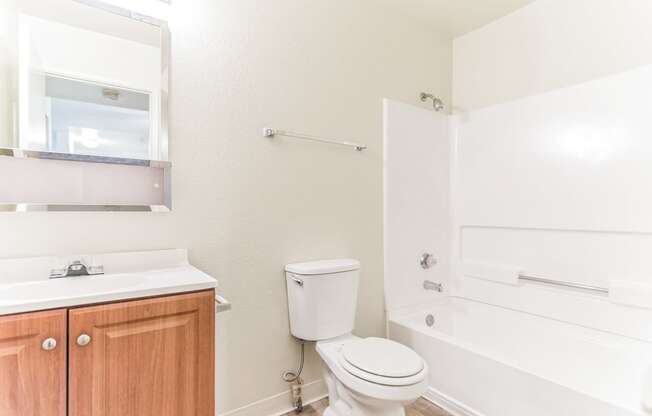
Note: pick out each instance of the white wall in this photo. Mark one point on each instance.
(417, 154)
(554, 155)
(245, 205)
(547, 45)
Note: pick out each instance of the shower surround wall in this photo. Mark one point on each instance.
(547, 45)
(417, 207)
(551, 166)
(498, 343)
(554, 159)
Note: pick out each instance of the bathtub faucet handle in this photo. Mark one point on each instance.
(437, 287)
(427, 261)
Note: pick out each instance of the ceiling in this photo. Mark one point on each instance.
(456, 17)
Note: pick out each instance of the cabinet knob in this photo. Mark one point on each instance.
(83, 340)
(49, 344)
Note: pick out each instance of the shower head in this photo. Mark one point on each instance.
(437, 103)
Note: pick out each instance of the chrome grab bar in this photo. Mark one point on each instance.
(572, 285)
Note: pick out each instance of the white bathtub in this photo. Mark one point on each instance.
(492, 361)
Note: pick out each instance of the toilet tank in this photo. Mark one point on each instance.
(322, 298)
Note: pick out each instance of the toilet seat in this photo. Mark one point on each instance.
(399, 389)
(381, 361)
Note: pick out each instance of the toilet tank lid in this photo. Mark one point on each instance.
(323, 267)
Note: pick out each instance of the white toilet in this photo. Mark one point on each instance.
(365, 377)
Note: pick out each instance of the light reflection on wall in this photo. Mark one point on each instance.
(590, 142)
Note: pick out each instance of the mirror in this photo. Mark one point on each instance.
(82, 77)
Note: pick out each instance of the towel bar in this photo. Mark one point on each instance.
(270, 133)
(581, 286)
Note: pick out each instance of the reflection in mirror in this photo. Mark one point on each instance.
(95, 119)
(78, 79)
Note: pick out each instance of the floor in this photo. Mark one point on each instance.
(420, 408)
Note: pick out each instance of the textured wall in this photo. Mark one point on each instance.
(244, 205)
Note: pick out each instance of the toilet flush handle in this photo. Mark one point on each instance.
(296, 280)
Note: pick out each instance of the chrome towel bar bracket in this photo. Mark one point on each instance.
(221, 304)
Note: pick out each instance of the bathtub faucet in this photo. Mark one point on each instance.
(437, 287)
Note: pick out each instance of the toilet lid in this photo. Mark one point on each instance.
(383, 358)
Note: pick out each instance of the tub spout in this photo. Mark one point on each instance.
(437, 287)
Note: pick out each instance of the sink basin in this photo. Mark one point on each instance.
(103, 283)
(76, 291)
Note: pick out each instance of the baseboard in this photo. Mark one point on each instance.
(449, 404)
(280, 404)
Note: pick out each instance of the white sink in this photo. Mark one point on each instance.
(69, 292)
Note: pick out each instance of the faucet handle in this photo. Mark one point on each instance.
(76, 268)
(58, 273)
(94, 269)
(427, 261)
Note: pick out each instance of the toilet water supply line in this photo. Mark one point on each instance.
(292, 376)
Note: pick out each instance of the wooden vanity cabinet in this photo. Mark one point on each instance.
(152, 357)
(33, 364)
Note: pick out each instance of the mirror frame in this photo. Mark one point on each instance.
(163, 136)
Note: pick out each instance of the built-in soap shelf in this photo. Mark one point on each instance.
(619, 291)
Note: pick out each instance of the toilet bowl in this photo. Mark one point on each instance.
(371, 376)
(364, 376)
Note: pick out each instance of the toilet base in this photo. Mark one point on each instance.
(344, 402)
(352, 412)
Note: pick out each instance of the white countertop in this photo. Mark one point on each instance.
(39, 295)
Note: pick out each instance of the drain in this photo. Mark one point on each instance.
(430, 320)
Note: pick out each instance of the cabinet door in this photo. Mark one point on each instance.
(153, 357)
(33, 364)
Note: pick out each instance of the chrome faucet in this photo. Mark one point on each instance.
(76, 268)
(429, 285)
(427, 261)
